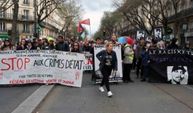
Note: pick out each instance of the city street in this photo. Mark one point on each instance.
(12, 96)
(135, 97)
(49, 47)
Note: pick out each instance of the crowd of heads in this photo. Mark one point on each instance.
(60, 43)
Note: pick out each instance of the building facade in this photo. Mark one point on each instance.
(26, 21)
(182, 22)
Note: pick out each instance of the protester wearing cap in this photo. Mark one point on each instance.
(128, 56)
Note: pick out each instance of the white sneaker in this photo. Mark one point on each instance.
(101, 89)
(111, 77)
(110, 94)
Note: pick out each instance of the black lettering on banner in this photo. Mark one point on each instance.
(59, 63)
(38, 63)
(74, 64)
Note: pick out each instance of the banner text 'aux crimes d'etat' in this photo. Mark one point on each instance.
(23, 67)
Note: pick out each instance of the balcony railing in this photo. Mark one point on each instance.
(9, 16)
(3, 30)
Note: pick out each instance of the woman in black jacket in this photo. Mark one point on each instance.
(108, 62)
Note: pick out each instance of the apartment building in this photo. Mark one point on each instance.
(182, 22)
(26, 21)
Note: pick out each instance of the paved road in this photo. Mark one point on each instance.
(12, 96)
(135, 97)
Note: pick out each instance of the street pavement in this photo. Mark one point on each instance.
(12, 96)
(137, 97)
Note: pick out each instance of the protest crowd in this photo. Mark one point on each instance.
(134, 53)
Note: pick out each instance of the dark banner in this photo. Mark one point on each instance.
(172, 66)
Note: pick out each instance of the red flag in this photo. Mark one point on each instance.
(80, 28)
(87, 22)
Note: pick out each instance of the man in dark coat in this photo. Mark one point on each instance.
(61, 45)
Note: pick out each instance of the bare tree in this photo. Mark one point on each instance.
(14, 34)
(108, 23)
(176, 4)
(139, 14)
(45, 8)
(147, 14)
(71, 12)
(4, 5)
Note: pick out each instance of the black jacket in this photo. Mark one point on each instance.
(62, 46)
(101, 57)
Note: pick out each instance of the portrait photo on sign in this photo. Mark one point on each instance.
(158, 33)
(177, 74)
(140, 34)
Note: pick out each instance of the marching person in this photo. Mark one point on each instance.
(145, 62)
(7, 46)
(45, 45)
(75, 47)
(128, 54)
(61, 44)
(139, 49)
(108, 62)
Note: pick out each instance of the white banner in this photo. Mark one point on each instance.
(24, 67)
(118, 76)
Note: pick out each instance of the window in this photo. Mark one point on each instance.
(191, 3)
(25, 1)
(2, 26)
(26, 14)
(26, 28)
(2, 13)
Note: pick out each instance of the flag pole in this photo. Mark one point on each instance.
(90, 30)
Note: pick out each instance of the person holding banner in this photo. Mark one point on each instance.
(75, 47)
(145, 62)
(7, 46)
(61, 44)
(108, 63)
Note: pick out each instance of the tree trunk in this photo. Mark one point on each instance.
(14, 34)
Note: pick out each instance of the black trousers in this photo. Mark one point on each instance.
(139, 65)
(134, 63)
(106, 72)
(126, 72)
(93, 78)
(145, 72)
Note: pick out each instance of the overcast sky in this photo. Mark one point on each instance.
(94, 9)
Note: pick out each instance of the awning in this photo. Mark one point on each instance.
(4, 36)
